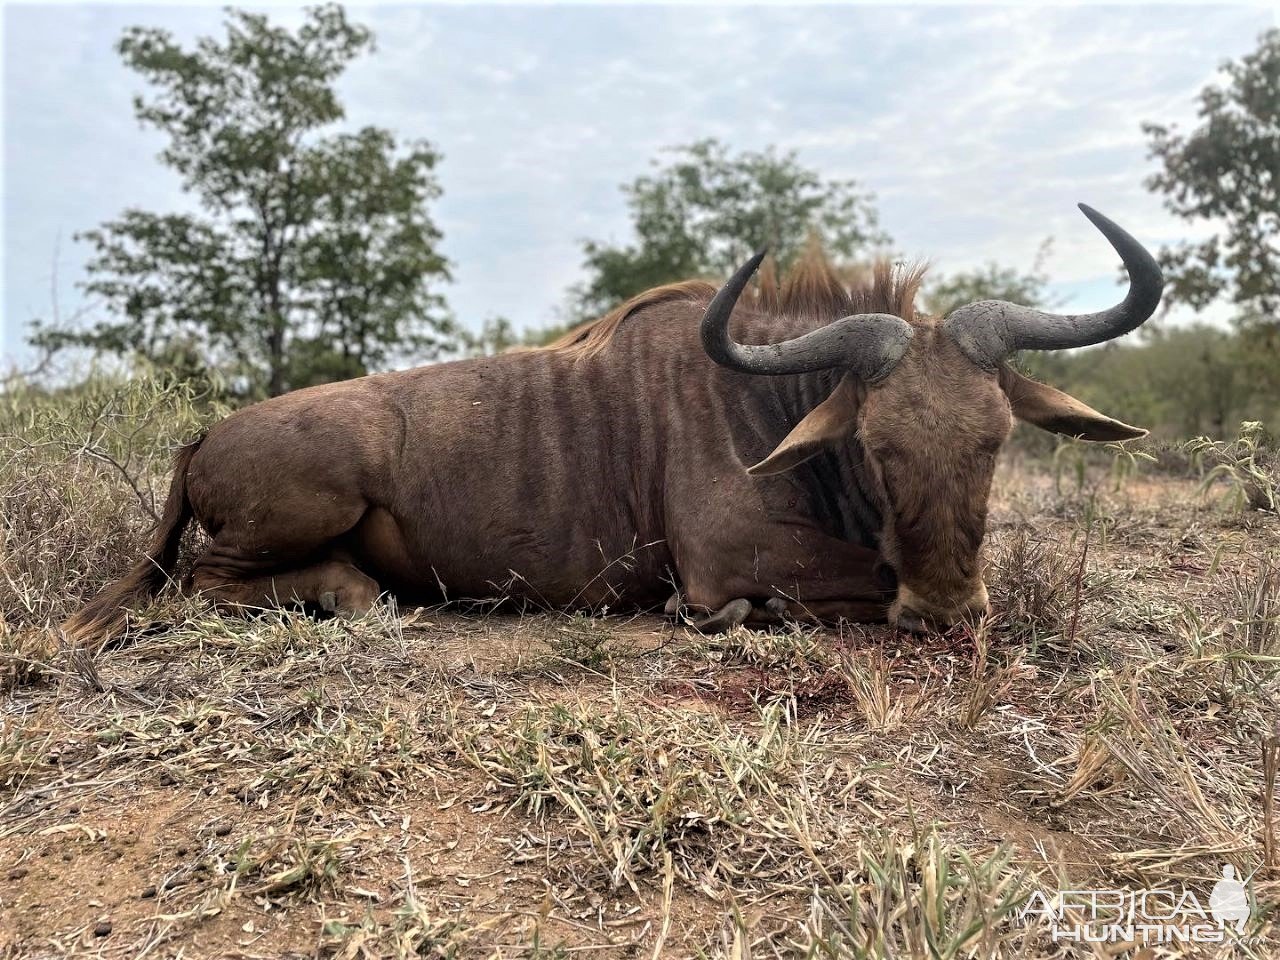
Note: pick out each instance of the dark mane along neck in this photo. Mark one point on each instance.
(839, 492)
(835, 490)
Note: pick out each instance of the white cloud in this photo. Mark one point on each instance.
(978, 129)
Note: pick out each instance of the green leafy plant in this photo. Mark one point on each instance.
(1246, 465)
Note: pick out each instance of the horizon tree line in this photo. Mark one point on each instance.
(315, 256)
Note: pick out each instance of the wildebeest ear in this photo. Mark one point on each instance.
(826, 425)
(1058, 412)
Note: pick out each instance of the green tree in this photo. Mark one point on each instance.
(495, 336)
(313, 257)
(1179, 382)
(708, 209)
(498, 335)
(992, 281)
(1227, 172)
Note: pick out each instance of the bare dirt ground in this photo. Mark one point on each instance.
(427, 784)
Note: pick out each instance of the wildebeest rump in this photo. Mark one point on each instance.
(613, 466)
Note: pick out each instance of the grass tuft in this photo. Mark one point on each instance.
(427, 783)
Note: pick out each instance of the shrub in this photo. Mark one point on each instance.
(81, 473)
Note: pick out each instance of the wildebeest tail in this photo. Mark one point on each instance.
(106, 614)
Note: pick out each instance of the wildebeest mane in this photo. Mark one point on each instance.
(811, 289)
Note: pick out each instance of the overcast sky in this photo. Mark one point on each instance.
(977, 129)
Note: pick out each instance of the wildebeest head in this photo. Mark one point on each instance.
(932, 401)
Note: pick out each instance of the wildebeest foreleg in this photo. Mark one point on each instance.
(819, 577)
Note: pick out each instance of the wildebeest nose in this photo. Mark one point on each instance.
(911, 622)
(906, 617)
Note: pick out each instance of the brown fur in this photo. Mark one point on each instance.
(588, 339)
(931, 433)
(811, 289)
(603, 468)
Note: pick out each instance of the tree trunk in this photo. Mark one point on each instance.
(273, 251)
(275, 356)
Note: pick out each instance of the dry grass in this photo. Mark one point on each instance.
(428, 784)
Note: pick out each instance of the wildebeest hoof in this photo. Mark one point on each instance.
(732, 614)
(777, 607)
(329, 601)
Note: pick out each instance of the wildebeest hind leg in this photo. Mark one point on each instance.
(282, 551)
(334, 585)
(278, 565)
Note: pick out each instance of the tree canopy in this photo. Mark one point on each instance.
(706, 209)
(312, 257)
(1226, 172)
(991, 281)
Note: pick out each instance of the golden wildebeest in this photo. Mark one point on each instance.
(840, 467)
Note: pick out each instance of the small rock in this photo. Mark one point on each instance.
(148, 892)
(222, 829)
(17, 873)
(102, 929)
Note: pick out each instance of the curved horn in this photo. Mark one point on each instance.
(870, 344)
(990, 330)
